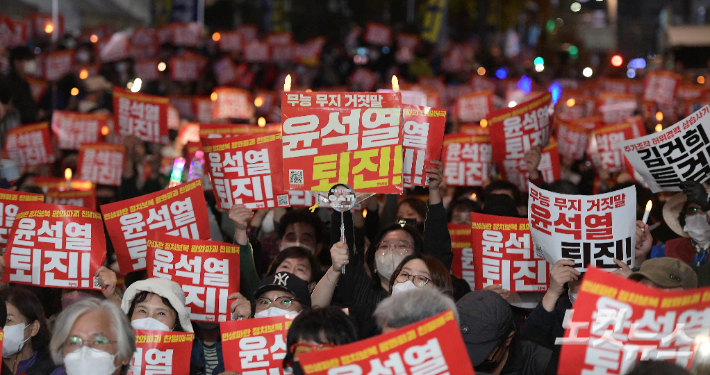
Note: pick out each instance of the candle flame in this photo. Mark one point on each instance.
(649, 205)
(395, 84)
(67, 174)
(287, 83)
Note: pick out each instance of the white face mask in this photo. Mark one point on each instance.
(30, 67)
(403, 287)
(698, 228)
(88, 360)
(286, 245)
(13, 339)
(150, 324)
(387, 263)
(273, 311)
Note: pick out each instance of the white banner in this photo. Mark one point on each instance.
(591, 230)
(678, 153)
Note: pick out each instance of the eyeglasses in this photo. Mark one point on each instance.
(301, 348)
(401, 247)
(280, 302)
(690, 211)
(74, 343)
(418, 280)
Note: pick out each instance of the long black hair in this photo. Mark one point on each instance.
(370, 255)
(31, 308)
(324, 325)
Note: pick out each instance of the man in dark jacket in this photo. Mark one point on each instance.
(493, 346)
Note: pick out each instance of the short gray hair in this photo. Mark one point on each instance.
(413, 306)
(121, 327)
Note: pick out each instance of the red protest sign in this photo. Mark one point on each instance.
(232, 103)
(55, 246)
(147, 69)
(462, 266)
(185, 68)
(378, 34)
(605, 148)
(29, 144)
(60, 183)
(572, 136)
(203, 109)
(172, 211)
(432, 346)
(323, 130)
(58, 64)
(183, 104)
(475, 106)
(616, 107)
(145, 116)
(80, 198)
(225, 71)
(208, 272)
(516, 171)
(423, 138)
(660, 86)
(616, 322)
(159, 352)
(515, 130)
(230, 41)
(12, 32)
(10, 202)
(246, 170)
(256, 52)
(101, 163)
(467, 159)
(186, 34)
(506, 255)
(74, 129)
(261, 343)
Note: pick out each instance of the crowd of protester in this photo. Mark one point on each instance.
(397, 259)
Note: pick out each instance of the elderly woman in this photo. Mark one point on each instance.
(93, 337)
(26, 336)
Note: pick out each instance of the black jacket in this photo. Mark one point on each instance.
(547, 325)
(527, 357)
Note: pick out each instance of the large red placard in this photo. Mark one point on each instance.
(467, 159)
(462, 266)
(246, 170)
(145, 116)
(261, 343)
(81, 198)
(10, 202)
(29, 144)
(432, 346)
(505, 255)
(101, 163)
(207, 271)
(159, 352)
(616, 322)
(55, 246)
(340, 137)
(423, 137)
(172, 211)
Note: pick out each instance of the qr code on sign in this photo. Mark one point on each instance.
(282, 200)
(295, 176)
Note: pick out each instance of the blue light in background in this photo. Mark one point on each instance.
(501, 73)
(638, 63)
(525, 84)
(556, 90)
(361, 51)
(631, 73)
(385, 50)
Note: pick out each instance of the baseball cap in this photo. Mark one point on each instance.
(287, 282)
(484, 319)
(667, 273)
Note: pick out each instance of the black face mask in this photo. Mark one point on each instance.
(486, 366)
(297, 370)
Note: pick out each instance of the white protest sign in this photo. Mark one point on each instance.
(592, 230)
(678, 153)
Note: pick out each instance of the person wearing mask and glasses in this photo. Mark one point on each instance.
(420, 271)
(93, 337)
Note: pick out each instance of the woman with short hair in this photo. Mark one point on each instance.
(93, 337)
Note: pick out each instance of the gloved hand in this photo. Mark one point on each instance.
(696, 194)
